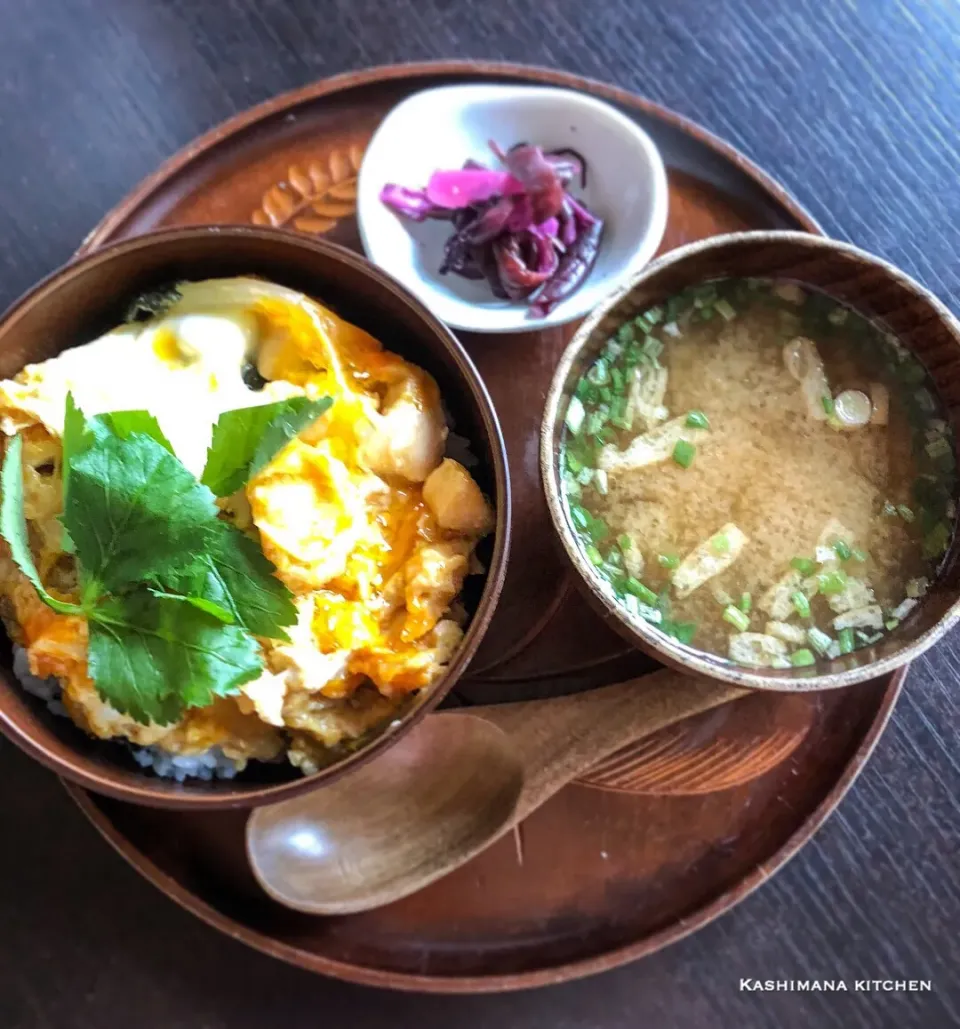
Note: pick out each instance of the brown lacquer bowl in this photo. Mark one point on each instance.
(871, 286)
(89, 296)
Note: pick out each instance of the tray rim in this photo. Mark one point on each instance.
(571, 970)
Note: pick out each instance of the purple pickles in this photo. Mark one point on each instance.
(518, 229)
(412, 203)
(469, 186)
(575, 265)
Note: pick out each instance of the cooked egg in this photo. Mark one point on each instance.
(363, 518)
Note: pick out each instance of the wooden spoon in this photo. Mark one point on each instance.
(449, 789)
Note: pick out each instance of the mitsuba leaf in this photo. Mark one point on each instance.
(125, 423)
(151, 657)
(13, 524)
(246, 439)
(236, 576)
(134, 513)
(284, 427)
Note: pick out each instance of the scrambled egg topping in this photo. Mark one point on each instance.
(366, 521)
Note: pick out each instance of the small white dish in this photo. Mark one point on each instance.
(441, 128)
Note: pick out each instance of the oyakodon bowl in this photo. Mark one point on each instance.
(88, 297)
(866, 283)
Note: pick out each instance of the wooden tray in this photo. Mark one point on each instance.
(657, 840)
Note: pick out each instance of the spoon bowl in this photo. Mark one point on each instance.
(452, 787)
(449, 786)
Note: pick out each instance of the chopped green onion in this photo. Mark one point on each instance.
(599, 374)
(705, 313)
(905, 513)
(720, 544)
(653, 348)
(571, 487)
(745, 603)
(819, 640)
(888, 509)
(804, 565)
(641, 592)
(802, 658)
(579, 516)
(697, 420)
(593, 555)
(726, 309)
(599, 530)
(600, 481)
(642, 324)
(891, 623)
(668, 561)
(584, 476)
(857, 554)
(683, 632)
(845, 640)
(737, 618)
(843, 550)
(683, 453)
(832, 582)
(625, 334)
(625, 542)
(616, 377)
(704, 296)
(800, 604)
(655, 315)
(575, 413)
(828, 406)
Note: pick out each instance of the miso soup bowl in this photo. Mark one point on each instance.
(871, 286)
(88, 297)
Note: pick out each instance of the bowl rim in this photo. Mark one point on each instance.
(154, 791)
(571, 309)
(649, 638)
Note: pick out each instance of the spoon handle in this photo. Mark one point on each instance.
(560, 738)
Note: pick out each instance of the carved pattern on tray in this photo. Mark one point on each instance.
(315, 195)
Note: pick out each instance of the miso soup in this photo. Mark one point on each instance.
(760, 472)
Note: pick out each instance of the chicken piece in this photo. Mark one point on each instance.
(434, 576)
(409, 432)
(651, 448)
(758, 650)
(709, 558)
(455, 500)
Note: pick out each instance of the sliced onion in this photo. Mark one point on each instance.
(852, 409)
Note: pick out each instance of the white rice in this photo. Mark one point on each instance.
(211, 764)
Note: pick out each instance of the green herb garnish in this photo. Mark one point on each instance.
(800, 604)
(683, 453)
(737, 618)
(668, 561)
(173, 596)
(842, 550)
(831, 582)
(697, 420)
(246, 440)
(845, 641)
(802, 658)
(804, 565)
(641, 592)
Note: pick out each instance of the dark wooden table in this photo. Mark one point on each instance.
(855, 106)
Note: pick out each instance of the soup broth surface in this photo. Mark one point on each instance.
(752, 459)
